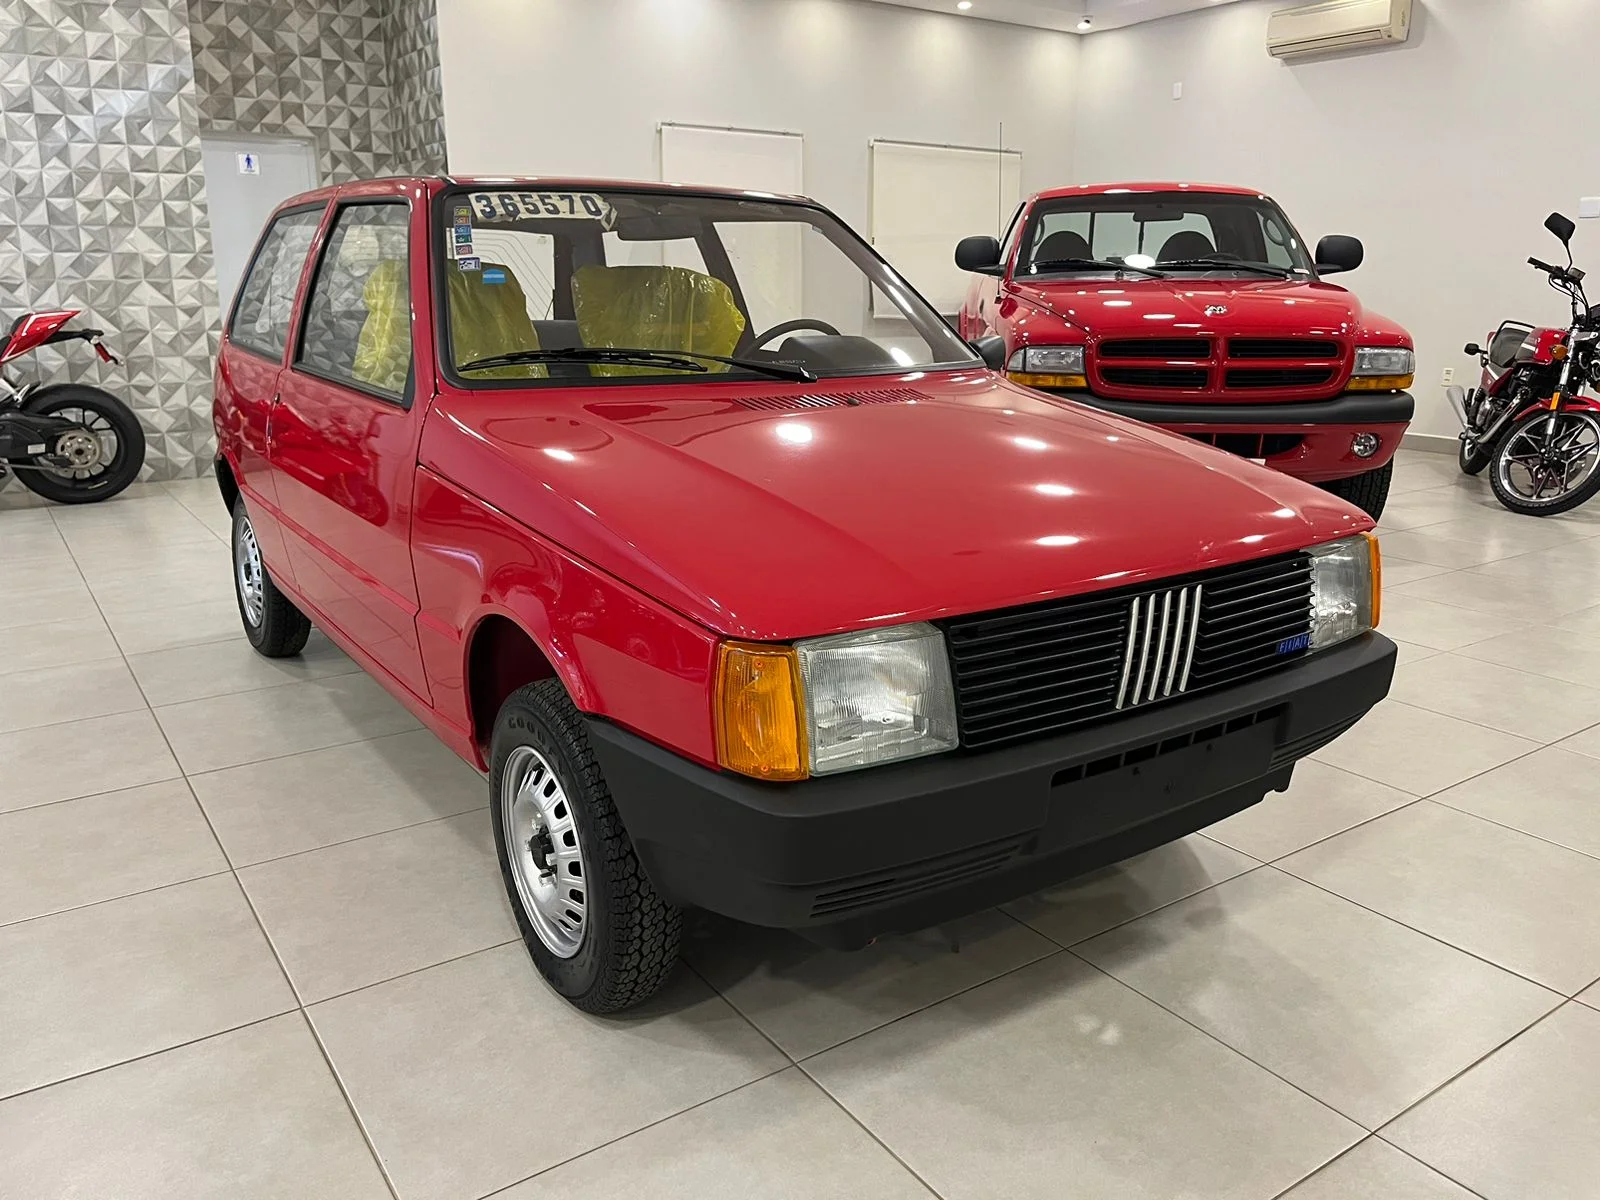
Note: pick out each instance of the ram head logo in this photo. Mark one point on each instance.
(1216, 310)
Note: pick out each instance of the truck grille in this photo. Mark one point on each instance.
(1277, 377)
(1027, 672)
(1156, 377)
(1282, 348)
(1157, 348)
(1302, 367)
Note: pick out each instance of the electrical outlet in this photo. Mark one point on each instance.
(1448, 377)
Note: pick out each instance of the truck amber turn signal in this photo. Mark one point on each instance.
(758, 711)
(1377, 577)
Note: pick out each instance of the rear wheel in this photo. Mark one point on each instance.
(1473, 457)
(594, 925)
(275, 627)
(1548, 463)
(1368, 491)
(96, 457)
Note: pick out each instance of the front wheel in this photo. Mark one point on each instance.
(594, 925)
(1548, 463)
(96, 457)
(1368, 491)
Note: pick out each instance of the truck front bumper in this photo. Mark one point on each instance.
(846, 858)
(1325, 429)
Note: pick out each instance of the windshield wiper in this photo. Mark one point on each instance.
(671, 360)
(1232, 264)
(1092, 264)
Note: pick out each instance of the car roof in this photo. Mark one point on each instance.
(433, 183)
(1102, 189)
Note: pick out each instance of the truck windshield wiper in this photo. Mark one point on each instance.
(1092, 264)
(1232, 264)
(671, 360)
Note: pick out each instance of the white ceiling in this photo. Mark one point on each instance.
(1065, 14)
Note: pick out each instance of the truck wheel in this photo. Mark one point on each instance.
(275, 627)
(594, 926)
(1368, 491)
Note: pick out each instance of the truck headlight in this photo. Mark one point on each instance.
(1383, 369)
(1346, 586)
(1047, 367)
(834, 703)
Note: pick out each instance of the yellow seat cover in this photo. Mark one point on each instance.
(655, 308)
(383, 348)
(490, 318)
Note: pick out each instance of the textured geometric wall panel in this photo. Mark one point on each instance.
(411, 29)
(103, 207)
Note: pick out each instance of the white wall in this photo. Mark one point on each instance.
(1443, 155)
(579, 86)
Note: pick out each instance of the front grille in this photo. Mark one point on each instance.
(946, 870)
(1156, 377)
(1281, 348)
(1277, 377)
(1157, 348)
(1252, 445)
(1027, 672)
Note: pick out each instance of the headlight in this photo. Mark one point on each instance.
(1346, 583)
(1384, 360)
(1047, 360)
(834, 703)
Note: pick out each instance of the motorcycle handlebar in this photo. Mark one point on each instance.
(1546, 267)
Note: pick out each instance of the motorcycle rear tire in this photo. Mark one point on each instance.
(123, 469)
(1473, 461)
(1579, 495)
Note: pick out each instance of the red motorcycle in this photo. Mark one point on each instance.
(1529, 416)
(68, 442)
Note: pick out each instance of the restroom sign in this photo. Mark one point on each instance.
(249, 164)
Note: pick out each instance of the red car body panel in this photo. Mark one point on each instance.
(627, 530)
(1089, 310)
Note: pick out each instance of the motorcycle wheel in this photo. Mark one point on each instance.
(109, 443)
(1548, 463)
(1473, 457)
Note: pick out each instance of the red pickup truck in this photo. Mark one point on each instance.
(746, 599)
(1197, 308)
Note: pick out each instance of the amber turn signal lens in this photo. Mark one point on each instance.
(1033, 379)
(758, 711)
(1380, 383)
(1377, 577)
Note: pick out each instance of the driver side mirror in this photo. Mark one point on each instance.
(1561, 226)
(979, 254)
(1337, 252)
(992, 349)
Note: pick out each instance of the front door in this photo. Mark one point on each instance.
(344, 437)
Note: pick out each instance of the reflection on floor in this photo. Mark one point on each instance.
(253, 942)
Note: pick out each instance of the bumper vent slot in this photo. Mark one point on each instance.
(1252, 445)
(930, 874)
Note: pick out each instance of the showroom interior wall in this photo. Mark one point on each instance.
(102, 204)
(1444, 155)
(841, 72)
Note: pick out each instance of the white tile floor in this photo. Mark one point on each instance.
(253, 942)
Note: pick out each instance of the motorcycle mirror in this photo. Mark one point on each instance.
(1561, 226)
(1472, 348)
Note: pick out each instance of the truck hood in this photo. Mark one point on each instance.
(1153, 307)
(922, 497)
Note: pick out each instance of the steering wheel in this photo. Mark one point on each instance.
(791, 327)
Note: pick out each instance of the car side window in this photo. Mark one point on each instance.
(1008, 243)
(358, 317)
(266, 298)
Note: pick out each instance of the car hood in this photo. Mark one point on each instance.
(918, 498)
(1189, 306)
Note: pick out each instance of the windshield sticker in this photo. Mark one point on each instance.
(464, 250)
(469, 264)
(464, 234)
(463, 214)
(543, 206)
(494, 275)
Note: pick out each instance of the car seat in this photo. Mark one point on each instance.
(1063, 243)
(655, 308)
(488, 316)
(383, 347)
(1186, 243)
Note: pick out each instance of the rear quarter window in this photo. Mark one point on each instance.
(266, 298)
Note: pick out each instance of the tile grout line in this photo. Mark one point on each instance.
(272, 947)
(160, 887)
(1432, 1167)
(1343, 1154)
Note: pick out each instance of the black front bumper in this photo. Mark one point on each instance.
(849, 857)
(1350, 408)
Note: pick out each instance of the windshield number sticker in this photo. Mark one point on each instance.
(543, 206)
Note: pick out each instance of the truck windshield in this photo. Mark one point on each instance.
(1172, 232)
(561, 285)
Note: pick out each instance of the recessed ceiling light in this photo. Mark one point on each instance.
(1086, 23)
(963, 5)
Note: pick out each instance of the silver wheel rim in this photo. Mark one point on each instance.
(248, 572)
(90, 449)
(545, 852)
(1551, 457)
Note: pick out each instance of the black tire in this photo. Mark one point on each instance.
(113, 416)
(1368, 491)
(1473, 459)
(629, 937)
(1566, 501)
(280, 629)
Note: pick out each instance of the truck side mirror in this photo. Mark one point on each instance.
(1561, 226)
(992, 349)
(1337, 252)
(980, 254)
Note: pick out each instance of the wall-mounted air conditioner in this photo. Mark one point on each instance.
(1337, 25)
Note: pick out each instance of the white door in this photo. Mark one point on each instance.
(246, 178)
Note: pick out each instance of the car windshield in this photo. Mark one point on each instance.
(1170, 232)
(564, 285)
